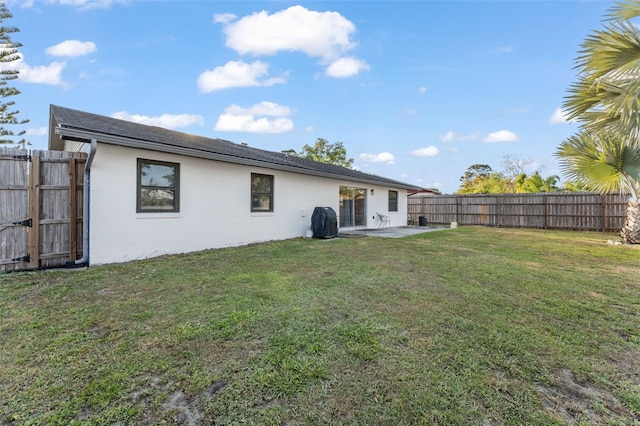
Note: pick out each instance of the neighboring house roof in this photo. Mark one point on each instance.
(424, 191)
(82, 126)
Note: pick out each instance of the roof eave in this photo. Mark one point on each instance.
(87, 136)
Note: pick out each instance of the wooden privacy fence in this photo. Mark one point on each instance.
(568, 210)
(40, 208)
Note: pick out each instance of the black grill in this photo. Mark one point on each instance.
(324, 222)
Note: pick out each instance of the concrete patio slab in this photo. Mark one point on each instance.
(391, 232)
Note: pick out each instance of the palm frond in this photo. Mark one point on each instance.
(616, 47)
(605, 161)
(609, 79)
(626, 10)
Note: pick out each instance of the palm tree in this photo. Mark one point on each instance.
(604, 162)
(605, 154)
(607, 93)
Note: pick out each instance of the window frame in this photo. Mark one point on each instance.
(393, 204)
(270, 194)
(139, 187)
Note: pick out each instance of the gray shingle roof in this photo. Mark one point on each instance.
(70, 123)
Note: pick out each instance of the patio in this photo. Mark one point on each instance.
(391, 232)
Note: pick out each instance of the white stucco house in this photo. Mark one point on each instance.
(150, 191)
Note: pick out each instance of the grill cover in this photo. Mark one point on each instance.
(324, 222)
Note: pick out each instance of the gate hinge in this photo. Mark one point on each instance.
(26, 258)
(23, 157)
(26, 222)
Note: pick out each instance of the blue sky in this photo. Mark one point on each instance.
(416, 90)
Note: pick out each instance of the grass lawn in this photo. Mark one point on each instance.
(463, 326)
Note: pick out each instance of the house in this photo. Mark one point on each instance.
(424, 192)
(150, 191)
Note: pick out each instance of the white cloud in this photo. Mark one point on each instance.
(559, 117)
(41, 74)
(224, 18)
(456, 137)
(256, 119)
(168, 121)
(72, 48)
(383, 157)
(346, 67)
(89, 4)
(324, 35)
(36, 131)
(248, 123)
(448, 137)
(501, 136)
(318, 34)
(422, 90)
(236, 74)
(263, 108)
(429, 151)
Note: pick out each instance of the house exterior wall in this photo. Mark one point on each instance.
(215, 206)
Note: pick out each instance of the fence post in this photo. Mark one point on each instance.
(498, 216)
(604, 214)
(546, 210)
(33, 233)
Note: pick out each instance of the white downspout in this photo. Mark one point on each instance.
(84, 260)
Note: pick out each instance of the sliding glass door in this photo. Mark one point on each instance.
(353, 211)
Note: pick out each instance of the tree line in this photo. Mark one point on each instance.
(513, 178)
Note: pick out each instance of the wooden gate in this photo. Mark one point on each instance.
(40, 208)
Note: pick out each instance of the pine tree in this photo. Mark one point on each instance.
(8, 54)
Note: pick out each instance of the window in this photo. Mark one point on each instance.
(158, 186)
(261, 193)
(393, 201)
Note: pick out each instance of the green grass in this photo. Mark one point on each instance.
(464, 326)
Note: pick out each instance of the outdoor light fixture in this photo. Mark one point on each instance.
(371, 191)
